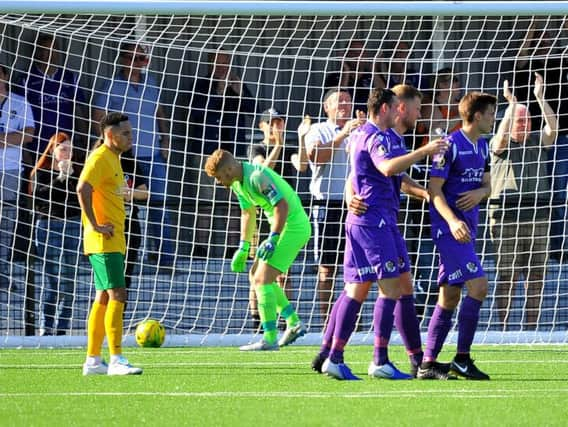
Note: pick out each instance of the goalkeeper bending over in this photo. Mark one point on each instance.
(257, 185)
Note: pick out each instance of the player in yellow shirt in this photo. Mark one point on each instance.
(100, 192)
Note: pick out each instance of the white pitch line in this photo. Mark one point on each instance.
(251, 364)
(466, 394)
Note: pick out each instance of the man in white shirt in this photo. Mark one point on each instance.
(16, 129)
(326, 147)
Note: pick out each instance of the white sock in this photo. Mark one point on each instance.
(93, 360)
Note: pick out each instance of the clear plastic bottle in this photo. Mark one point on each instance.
(442, 134)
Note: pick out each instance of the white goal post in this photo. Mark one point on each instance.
(279, 54)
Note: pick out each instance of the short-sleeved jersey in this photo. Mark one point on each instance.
(369, 148)
(328, 179)
(104, 173)
(462, 167)
(15, 116)
(263, 187)
(139, 101)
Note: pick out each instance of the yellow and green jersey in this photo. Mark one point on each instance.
(104, 173)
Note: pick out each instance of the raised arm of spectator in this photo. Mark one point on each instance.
(300, 159)
(550, 130)
(501, 139)
(274, 154)
(320, 153)
(524, 50)
(17, 137)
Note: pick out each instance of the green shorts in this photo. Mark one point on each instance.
(293, 238)
(109, 270)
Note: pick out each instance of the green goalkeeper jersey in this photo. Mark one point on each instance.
(263, 187)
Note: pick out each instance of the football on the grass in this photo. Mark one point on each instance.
(150, 333)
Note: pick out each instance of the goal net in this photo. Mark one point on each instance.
(212, 77)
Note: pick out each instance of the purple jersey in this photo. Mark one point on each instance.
(53, 100)
(369, 146)
(462, 166)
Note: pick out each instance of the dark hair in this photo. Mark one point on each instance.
(112, 119)
(43, 38)
(125, 46)
(443, 76)
(474, 102)
(378, 97)
(330, 92)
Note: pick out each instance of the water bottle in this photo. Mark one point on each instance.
(442, 134)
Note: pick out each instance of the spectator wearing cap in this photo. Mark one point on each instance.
(136, 93)
(326, 148)
(269, 153)
(272, 151)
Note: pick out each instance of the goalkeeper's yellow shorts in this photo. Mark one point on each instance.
(293, 238)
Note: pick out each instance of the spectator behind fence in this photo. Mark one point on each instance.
(57, 101)
(536, 55)
(520, 202)
(135, 191)
(58, 105)
(53, 181)
(400, 69)
(442, 113)
(16, 130)
(137, 93)
(357, 75)
(220, 108)
(326, 146)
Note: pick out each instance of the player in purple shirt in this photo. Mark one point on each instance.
(375, 250)
(459, 181)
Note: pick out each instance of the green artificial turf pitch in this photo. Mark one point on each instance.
(222, 386)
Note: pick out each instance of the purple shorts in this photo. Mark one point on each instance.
(374, 253)
(458, 261)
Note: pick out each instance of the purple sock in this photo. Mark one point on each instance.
(467, 323)
(408, 327)
(328, 333)
(438, 329)
(383, 319)
(345, 320)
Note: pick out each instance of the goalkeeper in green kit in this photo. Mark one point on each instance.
(257, 185)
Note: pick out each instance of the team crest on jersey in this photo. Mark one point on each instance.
(269, 191)
(390, 267)
(401, 262)
(471, 267)
(440, 163)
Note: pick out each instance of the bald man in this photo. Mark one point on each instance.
(520, 202)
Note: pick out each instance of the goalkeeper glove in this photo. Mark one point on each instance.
(239, 261)
(266, 248)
